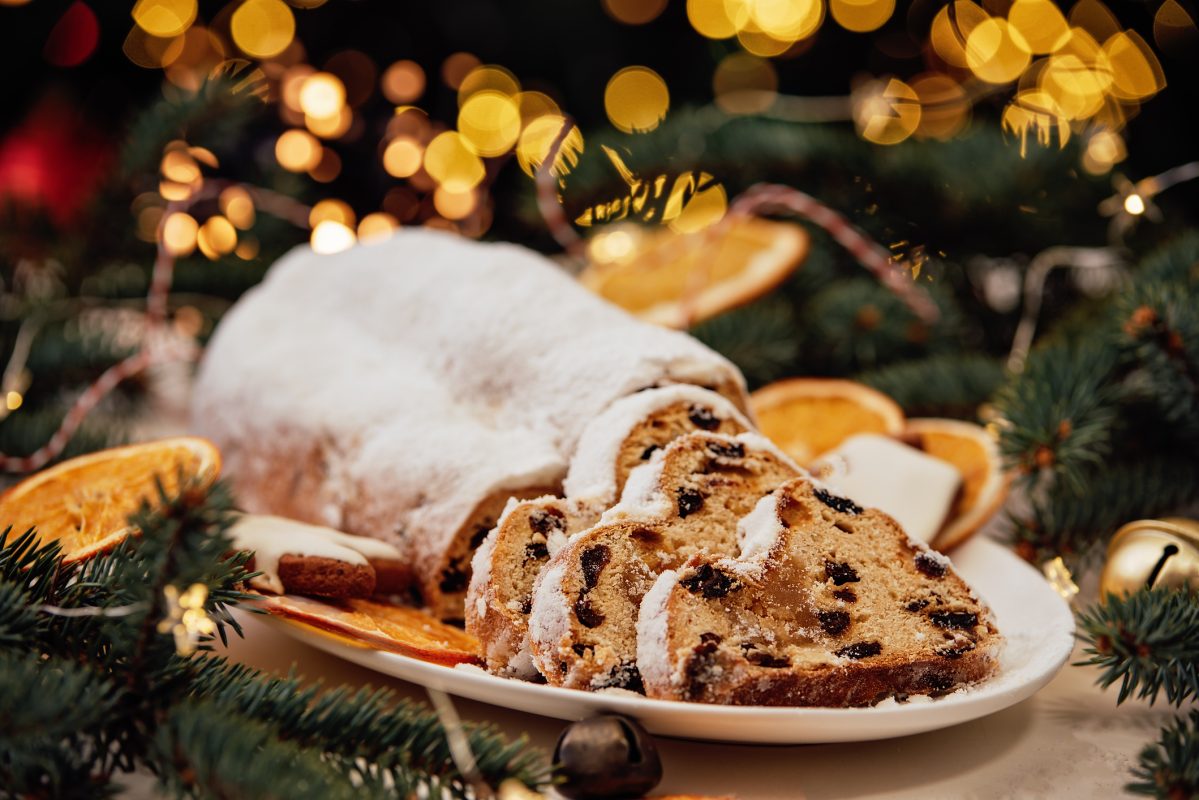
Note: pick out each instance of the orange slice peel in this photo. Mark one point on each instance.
(807, 417)
(84, 503)
(383, 626)
(975, 453)
(678, 280)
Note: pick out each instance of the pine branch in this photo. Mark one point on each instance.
(213, 116)
(1149, 641)
(760, 339)
(402, 740)
(201, 750)
(1069, 521)
(1169, 768)
(1061, 412)
(1161, 336)
(946, 385)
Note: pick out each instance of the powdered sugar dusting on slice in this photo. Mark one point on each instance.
(592, 475)
(653, 656)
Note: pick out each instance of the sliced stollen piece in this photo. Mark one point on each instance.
(633, 428)
(503, 572)
(829, 604)
(625, 436)
(685, 502)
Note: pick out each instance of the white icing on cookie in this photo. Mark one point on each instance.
(271, 538)
(880, 472)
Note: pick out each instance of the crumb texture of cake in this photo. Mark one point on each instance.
(829, 604)
(505, 568)
(625, 436)
(472, 369)
(633, 428)
(685, 502)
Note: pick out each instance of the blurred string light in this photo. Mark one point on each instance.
(636, 99)
(634, 12)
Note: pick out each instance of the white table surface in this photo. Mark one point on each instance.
(1068, 740)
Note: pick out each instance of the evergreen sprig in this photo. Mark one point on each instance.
(99, 691)
(945, 385)
(1148, 641)
(1169, 768)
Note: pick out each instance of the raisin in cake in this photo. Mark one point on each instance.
(685, 502)
(626, 435)
(406, 389)
(829, 604)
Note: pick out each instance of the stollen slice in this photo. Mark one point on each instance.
(829, 604)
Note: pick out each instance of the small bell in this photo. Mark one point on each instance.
(1152, 553)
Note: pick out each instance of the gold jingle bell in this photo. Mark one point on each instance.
(1152, 553)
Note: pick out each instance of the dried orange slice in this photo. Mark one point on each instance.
(807, 417)
(677, 280)
(84, 503)
(975, 454)
(385, 626)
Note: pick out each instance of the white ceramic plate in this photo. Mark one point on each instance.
(1036, 623)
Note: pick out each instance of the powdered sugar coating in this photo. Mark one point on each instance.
(643, 497)
(653, 657)
(389, 389)
(550, 623)
(592, 475)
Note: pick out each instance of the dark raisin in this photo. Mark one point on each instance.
(840, 573)
(846, 594)
(526, 605)
(562, 667)
(711, 582)
(454, 578)
(536, 551)
(546, 522)
(760, 658)
(581, 649)
(594, 559)
(833, 623)
(936, 681)
(703, 418)
(587, 616)
(698, 667)
(916, 605)
(930, 565)
(962, 620)
(860, 650)
(721, 450)
(709, 636)
(901, 697)
(955, 652)
(478, 536)
(690, 501)
(842, 504)
(649, 451)
(624, 676)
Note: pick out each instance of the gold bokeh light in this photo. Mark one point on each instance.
(451, 162)
(636, 99)
(262, 28)
(297, 150)
(745, 84)
(322, 95)
(861, 16)
(376, 227)
(490, 122)
(402, 157)
(331, 236)
(164, 18)
(403, 82)
(179, 234)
